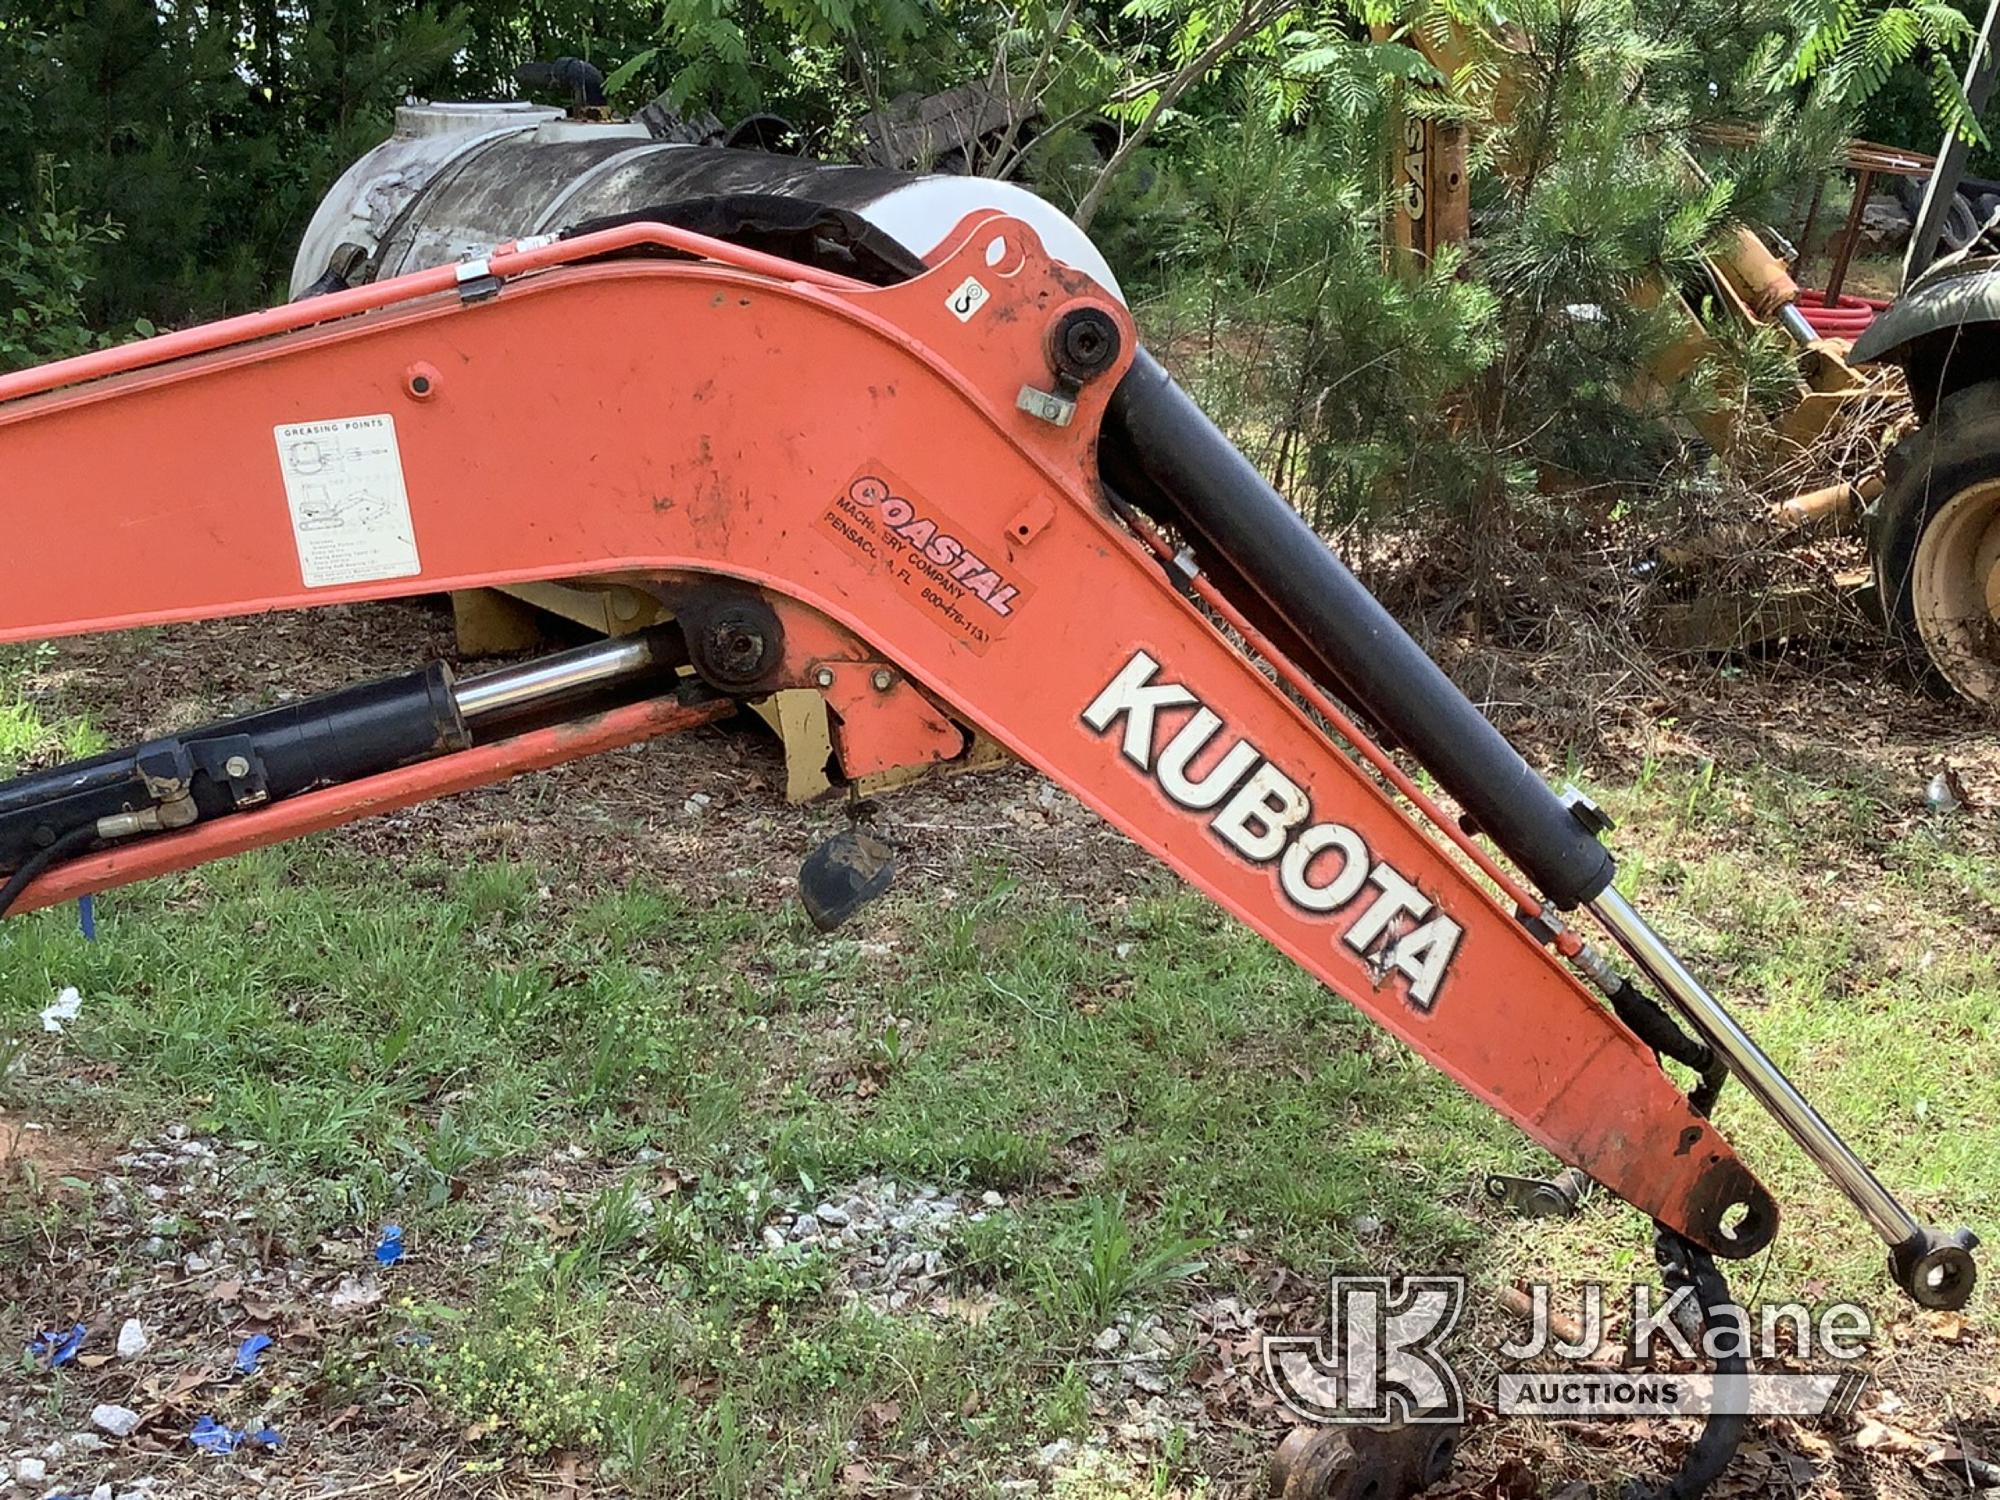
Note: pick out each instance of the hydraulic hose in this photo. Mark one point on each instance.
(72, 843)
(1683, 1263)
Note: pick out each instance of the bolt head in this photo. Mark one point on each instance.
(236, 767)
(824, 677)
(883, 679)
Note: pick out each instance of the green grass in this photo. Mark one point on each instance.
(35, 728)
(1167, 1104)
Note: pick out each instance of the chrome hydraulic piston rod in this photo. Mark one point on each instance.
(1165, 456)
(539, 682)
(1934, 1267)
(239, 764)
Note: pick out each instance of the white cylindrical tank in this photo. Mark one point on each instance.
(456, 179)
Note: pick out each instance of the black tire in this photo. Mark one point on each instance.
(1961, 224)
(1961, 219)
(1958, 448)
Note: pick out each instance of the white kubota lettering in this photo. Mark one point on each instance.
(1294, 874)
(1264, 815)
(1127, 695)
(1258, 821)
(1171, 769)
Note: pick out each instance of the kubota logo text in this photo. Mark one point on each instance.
(1322, 868)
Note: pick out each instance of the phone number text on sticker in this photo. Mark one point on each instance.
(923, 553)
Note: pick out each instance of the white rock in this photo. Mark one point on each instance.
(68, 1005)
(992, 1199)
(119, 1421)
(356, 1292)
(1054, 1453)
(102, 1492)
(1108, 1342)
(31, 1470)
(132, 1340)
(828, 1213)
(774, 1237)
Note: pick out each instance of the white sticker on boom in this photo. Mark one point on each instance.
(350, 512)
(968, 299)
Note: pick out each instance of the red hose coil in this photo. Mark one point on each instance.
(1844, 320)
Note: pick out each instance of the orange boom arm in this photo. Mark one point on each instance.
(889, 495)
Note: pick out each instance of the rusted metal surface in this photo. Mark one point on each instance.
(1848, 237)
(1724, 619)
(1955, 590)
(1856, 156)
(1390, 1462)
(946, 131)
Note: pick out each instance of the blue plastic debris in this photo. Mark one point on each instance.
(250, 1352)
(389, 1249)
(57, 1347)
(86, 917)
(212, 1436)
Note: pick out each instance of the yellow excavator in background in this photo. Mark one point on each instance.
(1931, 511)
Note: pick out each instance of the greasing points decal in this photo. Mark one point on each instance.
(350, 512)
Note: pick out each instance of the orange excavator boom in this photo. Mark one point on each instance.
(966, 500)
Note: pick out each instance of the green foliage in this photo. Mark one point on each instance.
(1103, 1271)
(1229, 159)
(35, 730)
(46, 258)
(515, 1383)
(1852, 52)
(1338, 374)
(206, 134)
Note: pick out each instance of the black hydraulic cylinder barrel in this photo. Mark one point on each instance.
(1385, 674)
(350, 733)
(224, 767)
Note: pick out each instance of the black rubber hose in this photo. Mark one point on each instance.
(1683, 1263)
(74, 842)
